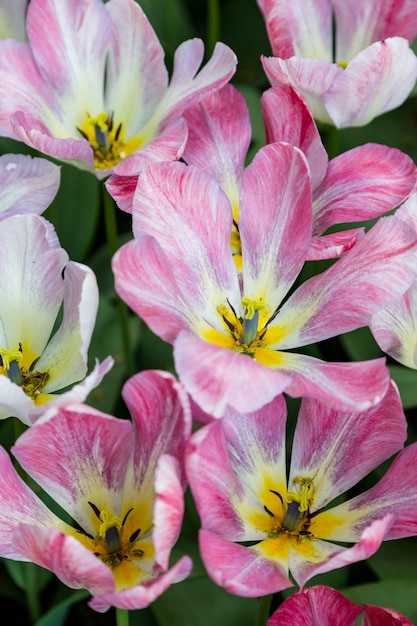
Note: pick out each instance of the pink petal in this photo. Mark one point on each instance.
(74, 453)
(238, 569)
(377, 80)
(78, 151)
(218, 377)
(31, 281)
(65, 356)
(69, 44)
(178, 205)
(136, 74)
(299, 27)
(275, 222)
(327, 439)
(19, 505)
(141, 596)
(333, 245)
(219, 134)
(344, 386)
(359, 24)
(187, 84)
(144, 280)
(395, 328)
(362, 184)
(377, 616)
(312, 78)
(23, 88)
(162, 422)
(168, 146)
(287, 118)
(369, 542)
(66, 557)
(394, 494)
(27, 184)
(346, 296)
(213, 482)
(169, 508)
(316, 606)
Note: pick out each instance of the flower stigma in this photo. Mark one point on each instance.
(288, 516)
(107, 140)
(27, 377)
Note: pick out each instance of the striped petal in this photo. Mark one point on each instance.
(326, 440)
(275, 222)
(26, 183)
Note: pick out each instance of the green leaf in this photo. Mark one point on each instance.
(25, 573)
(107, 340)
(399, 595)
(406, 379)
(200, 601)
(75, 211)
(57, 615)
(360, 345)
(395, 559)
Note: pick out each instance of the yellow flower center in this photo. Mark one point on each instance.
(107, 140)
(12, 365)
(289, 515)
(121, 545)
(243, 334)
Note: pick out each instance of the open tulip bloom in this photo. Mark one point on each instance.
(121, 482)
(257, 526)
(233, 335)
(368, 69)
(91, 86)
(359, 185)
(36, 280)
(324, 606)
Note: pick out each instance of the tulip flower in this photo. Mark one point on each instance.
(367, 68)
(258, 524)
(324, 606)
(121, 482)
(36, 359)
(90, 86)
(234, 333)
(359, 185)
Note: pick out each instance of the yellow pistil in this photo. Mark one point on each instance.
(107, 140)
(8, 356)
(304, 496)
(14, 365)
(342, 64)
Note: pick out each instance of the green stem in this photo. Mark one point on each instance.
(213, 24)
(113, 244)
(122, 617)
(264, 610)
(30, 575)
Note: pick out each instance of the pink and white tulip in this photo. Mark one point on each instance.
(237, 472)
(27, 184)
(233, 335)
(36, 280)
(361, 184)
(324, 606)
(91, 86)
(121, 482)
(372, 69)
